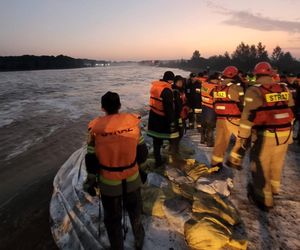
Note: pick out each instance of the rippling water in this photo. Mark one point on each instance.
(35, 105)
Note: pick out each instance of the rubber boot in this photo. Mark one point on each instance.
(203, 135)
(209, 137)
(157, 143)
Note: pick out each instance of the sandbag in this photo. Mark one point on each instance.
(195, 170)
(157, 180)
(210, 233)
(153, 199)
(177, 212)
(214, 186)
(206, 233)
(214, 204)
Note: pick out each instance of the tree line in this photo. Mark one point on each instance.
(245, 57)
(30, 62)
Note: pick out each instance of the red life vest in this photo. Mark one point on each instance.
(156, 102)
(116, 140)
(275, 112)
(207, 94)
(224, 106)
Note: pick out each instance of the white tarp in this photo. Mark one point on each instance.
(75, 215)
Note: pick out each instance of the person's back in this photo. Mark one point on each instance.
(115, 148)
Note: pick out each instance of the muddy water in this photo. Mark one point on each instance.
(43, 118)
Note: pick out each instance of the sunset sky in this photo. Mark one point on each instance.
(149, 29)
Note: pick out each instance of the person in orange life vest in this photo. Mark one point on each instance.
(115, 149)
(267, 117)
(208, 119)
(180, 103)
(228, 102)
(193, 95)
(162, 123)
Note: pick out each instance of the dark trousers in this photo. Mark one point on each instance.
(194, 118)
(157, 144)
(113, 218)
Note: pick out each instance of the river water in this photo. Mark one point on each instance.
(34, 105)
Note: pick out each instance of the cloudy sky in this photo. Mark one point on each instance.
(149, 29)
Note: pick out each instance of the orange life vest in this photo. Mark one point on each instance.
(224, 106)
(202, 79)
(156, 102)
(207, 94)
(116, 140)
(275, 112)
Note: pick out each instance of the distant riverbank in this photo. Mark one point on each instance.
(30, 62)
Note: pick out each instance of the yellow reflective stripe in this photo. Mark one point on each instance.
(235, 155)
(217, 158)
(197, 110)
(278, 133)
(248, 99)
(118, 182)
(141, 140)
(241, 93)
(245, 126)
(275, 183)
(263, 194)
(90, 149)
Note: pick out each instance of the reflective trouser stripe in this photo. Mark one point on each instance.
(141, 140)
(235, 155)
(217, 159)
(90, 150)
(275, 186)
(265, 197)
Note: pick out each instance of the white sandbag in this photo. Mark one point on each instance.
(157, 180)
(177, 212)
(214, 186)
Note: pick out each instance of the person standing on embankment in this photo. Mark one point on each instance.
(115, 150)
(267, 117)
(162, 124)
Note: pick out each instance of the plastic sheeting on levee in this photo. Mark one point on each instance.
(75, 215)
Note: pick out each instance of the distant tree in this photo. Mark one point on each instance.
(262, 53)
(276, 55)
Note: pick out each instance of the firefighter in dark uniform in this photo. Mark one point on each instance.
(208, 121)
(228, 103)
(162, 123)
(193, 94)
(267, 117)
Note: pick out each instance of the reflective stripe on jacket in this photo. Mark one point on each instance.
(116, 140)
(156, 102)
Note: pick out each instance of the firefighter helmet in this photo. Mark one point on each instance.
(263, 68)
(230, 72)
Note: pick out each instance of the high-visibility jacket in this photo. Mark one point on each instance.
(156, 102)
(202, 79)
(116, 140)
(207, 94)
(275, 112)
(224, 106)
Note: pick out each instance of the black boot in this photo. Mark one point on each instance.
(210, 137)
(203, 135)
(157, 143)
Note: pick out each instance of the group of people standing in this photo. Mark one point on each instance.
(258, 113)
